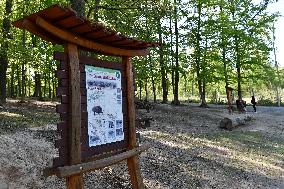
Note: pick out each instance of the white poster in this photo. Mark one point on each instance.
(104, 105)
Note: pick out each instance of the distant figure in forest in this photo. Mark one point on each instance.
(253, 103)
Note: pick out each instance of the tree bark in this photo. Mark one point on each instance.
(238, 66)
(203, 93)
(19, 86)
(278, 81)
(140, 89)
(29, 82)
(153, 78)
(37, 92)
(6, 27)
(201, 85)
(146, 89)
(78, 6)
(8, 89)
(53, 85)
(162, 65)
(176, 89)
(223, 45)
(23, 93)
(12, 86)
(172, 56)
(192, 88)
(203, 68)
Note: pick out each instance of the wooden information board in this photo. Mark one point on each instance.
(93, 135)
(63, 109)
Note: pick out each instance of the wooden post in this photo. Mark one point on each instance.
(132, 162)
(76, 181)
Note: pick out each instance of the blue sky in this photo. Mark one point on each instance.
(279, 32)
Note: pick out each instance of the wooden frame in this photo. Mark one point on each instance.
(75, 155)
(80, 157)
(85, 43)
(63, 92)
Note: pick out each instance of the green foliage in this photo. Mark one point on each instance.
(206, 30)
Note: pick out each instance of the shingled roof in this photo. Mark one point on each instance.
(66, 19)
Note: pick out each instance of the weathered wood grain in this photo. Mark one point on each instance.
(75, 181)
(91, 45)
(133, 161)
(98, 164)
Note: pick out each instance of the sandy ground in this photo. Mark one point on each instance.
(188, 150)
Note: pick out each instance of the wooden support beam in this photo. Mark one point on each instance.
(126, 61)
(76, 181)
(132, 162)
(68, 171)
(85, 43)
(34, 29)
(135, 172)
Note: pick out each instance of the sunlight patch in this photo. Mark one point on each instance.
(9, 114)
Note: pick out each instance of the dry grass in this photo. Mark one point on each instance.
(188, 150)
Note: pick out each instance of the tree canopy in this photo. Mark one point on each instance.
(205, 47)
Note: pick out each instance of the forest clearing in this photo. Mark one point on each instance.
(188, 149)
(155, 94)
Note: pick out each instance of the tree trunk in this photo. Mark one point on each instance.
(29, 82)
(239, 102)
(226, 78)
(49, 85)
(140, 89)
(45, 84)
(223, 45)
(146, 89)
(8, 88)
(23, 69)
(203, 68)
(78, 6)
(53, 85)
(176, 89)
(198, 60)
(37, 92)
(238, 66)
(278, 82)
(203, 99)
(12, 87)
(185, 86)
(23, 82)
(6, 27)
(172, 56)
(192, 88)
(162, 65)
(153, 78)
(19, 88)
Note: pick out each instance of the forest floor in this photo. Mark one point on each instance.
(188, 149)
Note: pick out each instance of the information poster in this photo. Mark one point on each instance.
(104, 105)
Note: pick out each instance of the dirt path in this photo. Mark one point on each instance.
(247, 157)
(188, 150)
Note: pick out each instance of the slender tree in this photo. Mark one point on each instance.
(176, 73)
(6, 27)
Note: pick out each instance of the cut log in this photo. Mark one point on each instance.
(226, 123)
(231, 123)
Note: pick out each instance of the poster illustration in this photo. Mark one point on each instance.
(104, 105)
